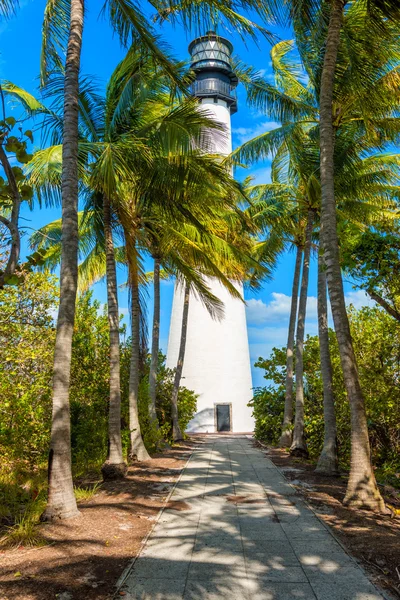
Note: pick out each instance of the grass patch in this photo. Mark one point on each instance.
(86, 492)
(24, 532)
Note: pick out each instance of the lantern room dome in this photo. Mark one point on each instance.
(211, 62)
(211, 52)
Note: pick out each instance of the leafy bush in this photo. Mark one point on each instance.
(268, 404)
(27, 335)
(26, 354)
(376, 338)
(187, 404)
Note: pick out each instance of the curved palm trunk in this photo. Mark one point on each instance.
(155, 344)
(286, 436)
(114, 467)
(13, 222)
(176, 430)
(328, 460)
(137, 449)
(61, 502)
(299, 446)
(362, 489)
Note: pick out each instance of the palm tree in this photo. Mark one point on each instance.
(155, 342)
(61, 503)
(299, 446)
(286, 435)
(7, 8)
(328, 459)
(355, 116)
(114, 467)
(176, 430)
(362, 489)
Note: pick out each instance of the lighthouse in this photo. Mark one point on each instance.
(217, 360)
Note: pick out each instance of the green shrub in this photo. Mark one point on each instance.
(27, 335)
(268, 404)
(187, 405)
(376, 338)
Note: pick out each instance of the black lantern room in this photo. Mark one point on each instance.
(211, 61)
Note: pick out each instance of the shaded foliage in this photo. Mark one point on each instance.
(377, 347)
(27, 338)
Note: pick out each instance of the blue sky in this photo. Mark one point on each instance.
(267, 311)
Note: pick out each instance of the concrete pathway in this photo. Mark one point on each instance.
(244, 535)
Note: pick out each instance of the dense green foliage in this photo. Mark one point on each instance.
(376, 338)
(27, 337)
(186, 405)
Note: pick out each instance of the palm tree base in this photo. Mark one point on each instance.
(113, 471)
(365, 494)
(299, 451)
(177, 433)
(52, 514)
(327, 465)
(285, 440)
(139, 455)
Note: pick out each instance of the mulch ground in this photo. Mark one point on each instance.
(374, 540)
(84, 557)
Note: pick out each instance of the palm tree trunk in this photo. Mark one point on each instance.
(61, 503)
(299, 446)
(155, 343)
(286, 436)
(114, 467)
(328, 460)
(137, 448)
(362, 489)
(176, 430)
(12, 224)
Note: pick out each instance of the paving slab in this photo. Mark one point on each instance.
(241, 533)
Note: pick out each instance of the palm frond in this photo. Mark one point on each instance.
(55, 30)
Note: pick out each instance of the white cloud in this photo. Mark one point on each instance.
(268, 321)
(244, 134)
(277, 310)
(359, 299)
(263, 339)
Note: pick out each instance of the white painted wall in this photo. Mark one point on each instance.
(217, 360)
(221, 113)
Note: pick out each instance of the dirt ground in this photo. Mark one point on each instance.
(374, 540)
(84, 557)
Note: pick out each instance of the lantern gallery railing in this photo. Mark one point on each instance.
(202, 87)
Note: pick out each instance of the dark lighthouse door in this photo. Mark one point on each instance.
(223, 417)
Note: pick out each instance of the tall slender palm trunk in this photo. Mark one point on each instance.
(12, 224)
(286, 436)
(328, 460)
(61, 502)
(299, 446)
(114, 467)
(362, 489)
(176, 430)
(155, 344)
(137, 449)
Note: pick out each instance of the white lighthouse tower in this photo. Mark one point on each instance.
(217, 361)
